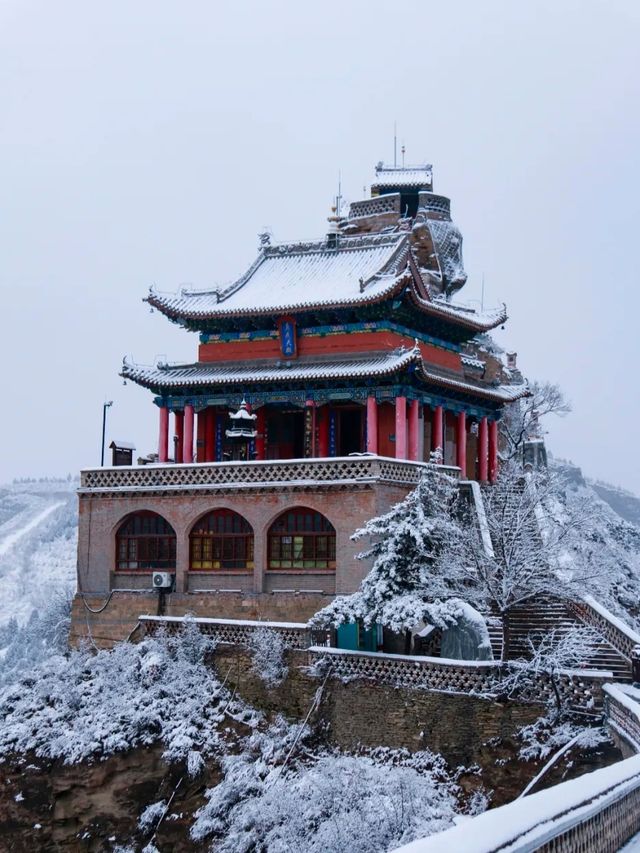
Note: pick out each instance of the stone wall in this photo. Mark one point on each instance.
(366, 713)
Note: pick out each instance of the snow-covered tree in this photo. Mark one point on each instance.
(531, 525)
(435, 559)
(550, 653)
(408, 583)
(268, 649)
(521, 420)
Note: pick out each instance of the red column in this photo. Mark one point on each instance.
(372, 425)
(401, 427)
(210, 435)
(414, 424)
(493, 451)
(261, 422)
(437, 430)
(323, 431)
(187, 453)
(163, 437)
(461, 444)
(179, 436)
(483, 450)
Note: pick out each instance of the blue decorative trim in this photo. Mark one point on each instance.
(383, 394)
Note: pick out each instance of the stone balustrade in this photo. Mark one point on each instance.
(623, 638)
(582, 689)
(296, 635)
(215, 477)
(622, 713)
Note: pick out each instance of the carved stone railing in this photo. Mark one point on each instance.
(276, 474)
(581, 689)
(619, 635)
(409, 671)
(622, 714)
(236, 632)
(599, 811)
(389, 203)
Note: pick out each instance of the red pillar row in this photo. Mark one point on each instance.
(187, 453)
(401, 427)
(179, 436)
(461, 443)
(163, 437)
(372, 425)
(414, 430)
(493, 451)
(483, 450)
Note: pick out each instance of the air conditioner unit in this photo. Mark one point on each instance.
(162, 580)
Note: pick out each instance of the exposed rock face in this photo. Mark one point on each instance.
(48, 806)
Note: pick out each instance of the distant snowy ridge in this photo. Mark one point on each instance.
(38, 543)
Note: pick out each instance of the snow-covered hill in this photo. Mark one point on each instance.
(613, 541)
(38, 540)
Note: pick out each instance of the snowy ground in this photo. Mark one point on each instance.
(38, 540)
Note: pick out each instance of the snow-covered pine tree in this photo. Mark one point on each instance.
(408, 583)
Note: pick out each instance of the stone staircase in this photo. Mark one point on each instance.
(542, 615)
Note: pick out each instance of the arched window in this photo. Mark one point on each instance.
(302, 539)
(145, 541)
(221, 540)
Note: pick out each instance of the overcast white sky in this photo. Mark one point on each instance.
(151, 141)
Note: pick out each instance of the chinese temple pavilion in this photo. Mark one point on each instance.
(343, 364)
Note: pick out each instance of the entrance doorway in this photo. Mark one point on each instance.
(285, 434)
(350, 433)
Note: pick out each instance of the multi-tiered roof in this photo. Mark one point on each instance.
(393, 265)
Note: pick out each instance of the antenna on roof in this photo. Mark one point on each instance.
(395, 145)
(402, 151)
(339, 196)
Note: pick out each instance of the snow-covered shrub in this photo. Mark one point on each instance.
(545, 736)
(43, 635)
(151, 815)
(336, 802)
(267, 649)
(82, 705)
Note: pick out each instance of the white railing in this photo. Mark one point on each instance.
(622, 713)
(598, 811)
(581, 689)
(281, 473)
(236, 632)
(623, 638)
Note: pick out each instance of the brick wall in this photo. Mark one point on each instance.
(100, 516)
(366, 713)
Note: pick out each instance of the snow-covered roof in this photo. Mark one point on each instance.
(299, 276)
(403, 176)
(293, 277)
(206, 374)
(234, 373)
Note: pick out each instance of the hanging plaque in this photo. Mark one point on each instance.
(287, 332)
